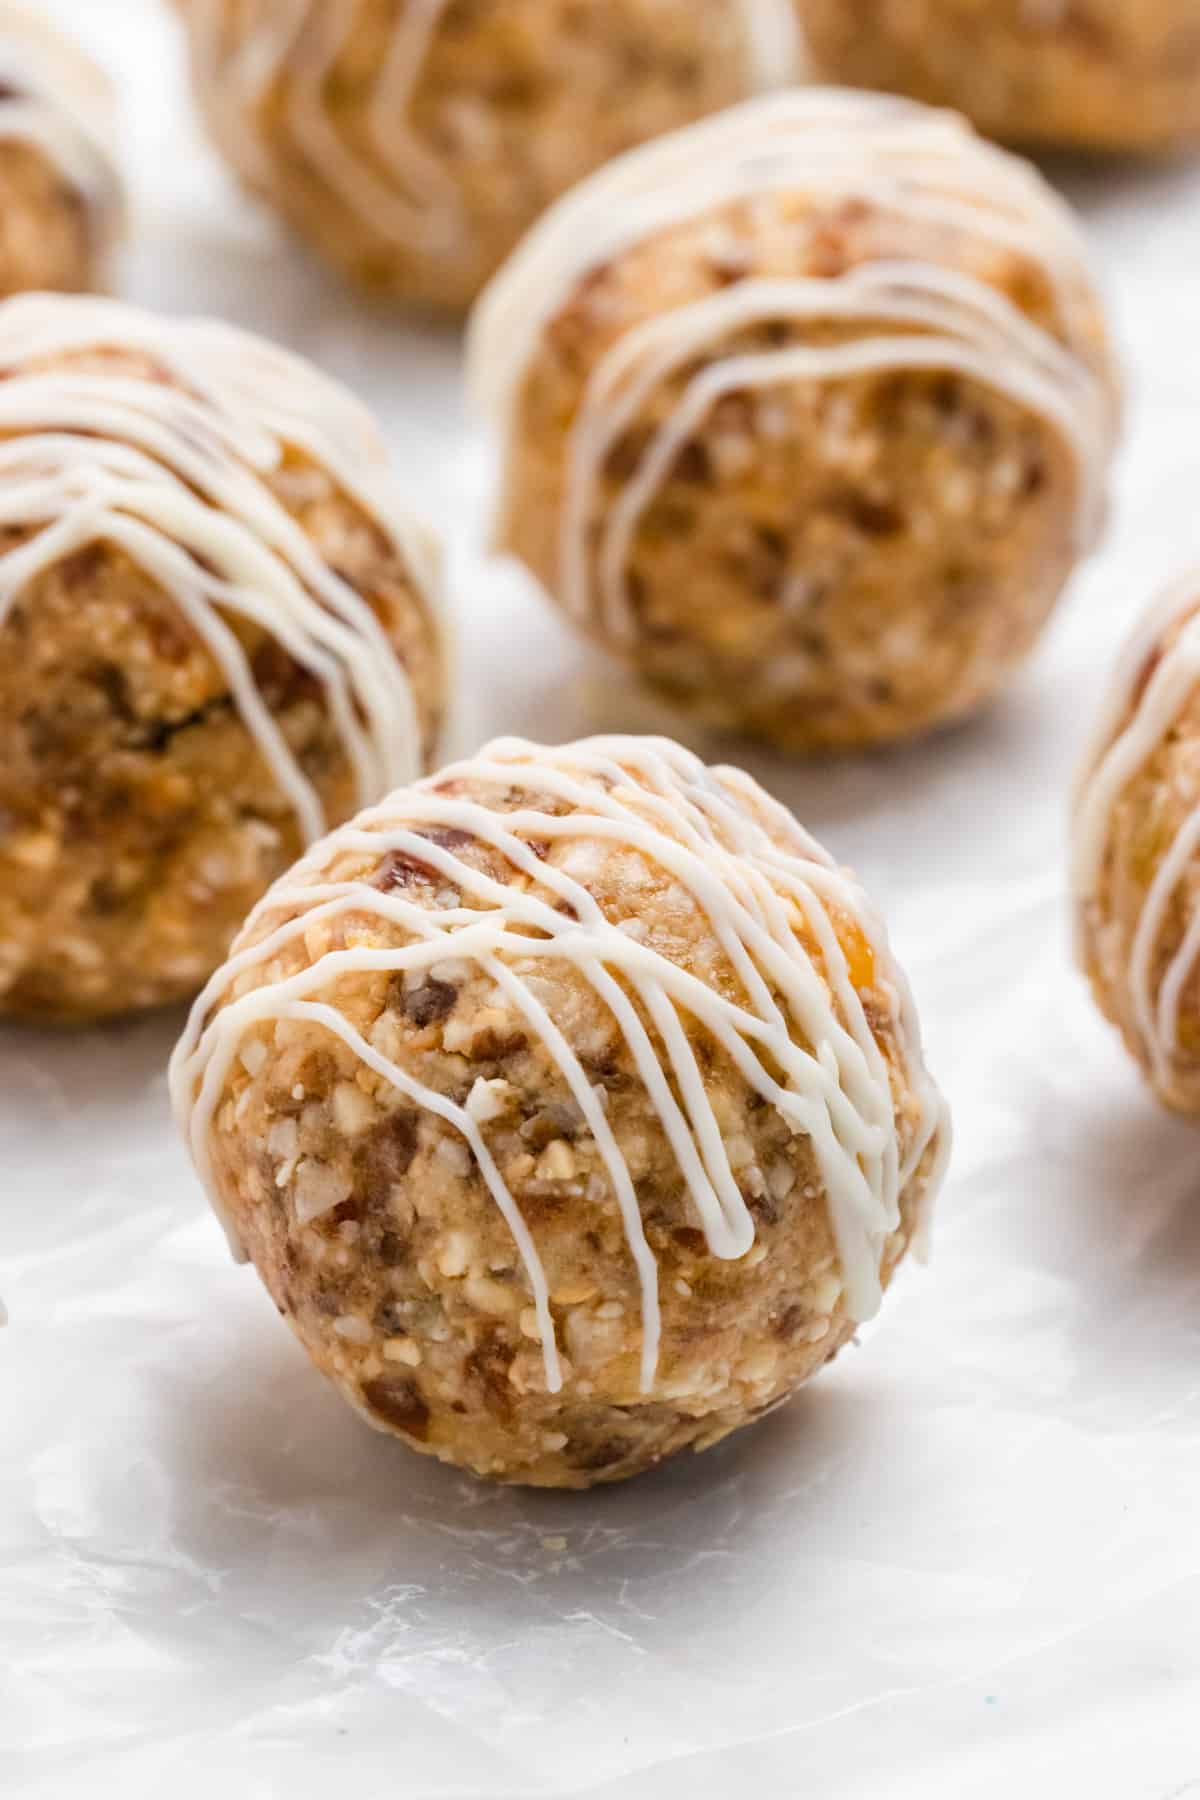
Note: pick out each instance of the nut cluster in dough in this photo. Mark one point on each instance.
(61, 194)
(1108, 75)
(1136, 861)
(806, 412)
(217, 638)
(571, 1106)
(413, 141)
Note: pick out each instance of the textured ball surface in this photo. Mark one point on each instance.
(413, 141)
(571, 1106)
(61, 194)
(217, 639)
(1108, 75)
(1136, 857)
(806, 413)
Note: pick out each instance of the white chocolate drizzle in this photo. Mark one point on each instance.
(1153, 682)
(773, 33)
(173, 470)
(906, 161)
(396, 187)
(773, 900)
(61, 104)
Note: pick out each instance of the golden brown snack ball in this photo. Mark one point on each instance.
(411, 142)
(1136, 850)
(1104, 75)
(571, 1106)
(806, 412)
(61, 194)
(217, 639)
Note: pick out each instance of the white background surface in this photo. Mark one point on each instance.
(965, 1564)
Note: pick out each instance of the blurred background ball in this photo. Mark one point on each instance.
(1111, 75)
(218, 637)
(1136, 862)
(61, 192)
(413, 141)
(806, 412)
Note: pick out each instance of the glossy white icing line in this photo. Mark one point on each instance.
(62, 104)
(400, 193)
(399, 190)
(799, 1034)
(835, 146)
(234, 70)
(174, 475)
(1152, 684)
(773, 34)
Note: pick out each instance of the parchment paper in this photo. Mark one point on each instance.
(965, 1563)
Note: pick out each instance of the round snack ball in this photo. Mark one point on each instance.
(412, 142)
(806, 412)
(1136, 852)
(1108, 75)
(218, 637)
(571, 1106)
(61, 196)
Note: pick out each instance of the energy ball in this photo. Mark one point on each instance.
(1136, 858)
(218, 638)
(571, 1106)
(413, 141)
(61, 196)
(806, 412)
(1107, 75)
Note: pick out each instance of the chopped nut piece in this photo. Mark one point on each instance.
(353, 1329)
(489, 1100)
(317, 1189)
(557, 1162)
(455, 1254)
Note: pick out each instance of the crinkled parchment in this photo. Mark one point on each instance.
(964, 1564)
